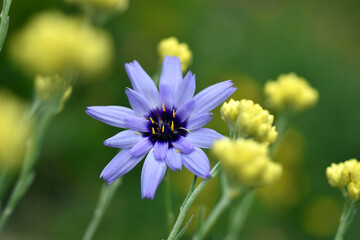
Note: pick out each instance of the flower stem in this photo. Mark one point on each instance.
(106, 194)
(4, 24)
(346, 218)
(168, 203)
(239, 216)
(192, 195)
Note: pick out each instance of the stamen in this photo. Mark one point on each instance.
(173, 113)
(163, 128)
(185, 129)
(153, 130)
(172, 125)
(163, 106)
(152, 121)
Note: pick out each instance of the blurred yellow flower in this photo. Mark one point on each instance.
(47, 86)
(14, 130)
(52, 42)
(107, 5)
(248, 161)
(172, 47)
(345, 174)
(321, 217)
(250, 119)
(292, 91)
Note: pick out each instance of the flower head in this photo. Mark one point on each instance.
(292, 91)
(248, 161)
(249, 119)
(165, 124)
(53, 42)
(172, 47)
(346, 174)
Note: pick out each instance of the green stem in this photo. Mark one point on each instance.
(106, 194)
(220, 207)
(239, 216)
(189, 201)
(346, 218)
(4, 24)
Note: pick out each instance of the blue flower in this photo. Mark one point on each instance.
(165, 125)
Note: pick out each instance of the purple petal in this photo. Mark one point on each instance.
(112, 115)
(173, 159)
(183, 144)
(165, 96)
(211, 97)
(203, 137)
(141, 82)
(171, 73)
(197, 162)
(152, 174)
(142, 147)
(137, 124)
(160, 150)
(124, 139)
(121, 164)
(185, 90)
(198, 121)
(185, 110)
(140, 104)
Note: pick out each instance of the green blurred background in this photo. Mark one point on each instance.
(248, 41)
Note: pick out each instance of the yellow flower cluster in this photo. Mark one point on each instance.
(172, 47)
(345, 174)
(13, 130)
(248, 161)
(290, 90)
(53, 42)
(107, 5)
(250, 119)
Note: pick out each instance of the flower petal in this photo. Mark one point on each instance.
(124, 139)
(197, 162)
(137, 124)
(183, 144)
(160, 150)
(171, 73)
(121, 164)
(112, 115)
(152, 174)
(185, 110)
(142, 147)
(198, 121)
(185, 90)
(141, 82)
(173, 159)
(211, 97)
(165, 96)
(140, 104)
(203, 137)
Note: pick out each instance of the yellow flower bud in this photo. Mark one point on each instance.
(14, 131)
(47, 86)
(256, 122)
(334, 174)
(247, 161)
(52, 42)
(107, 5)
(172, 47)
(229, 111)
(353, 190)
(290, 90)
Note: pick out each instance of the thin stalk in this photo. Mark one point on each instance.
(105, 197)
(189, 201)
(4, 24)
(346, 218)
(239, 216)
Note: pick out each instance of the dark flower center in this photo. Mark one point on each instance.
(164, 125)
